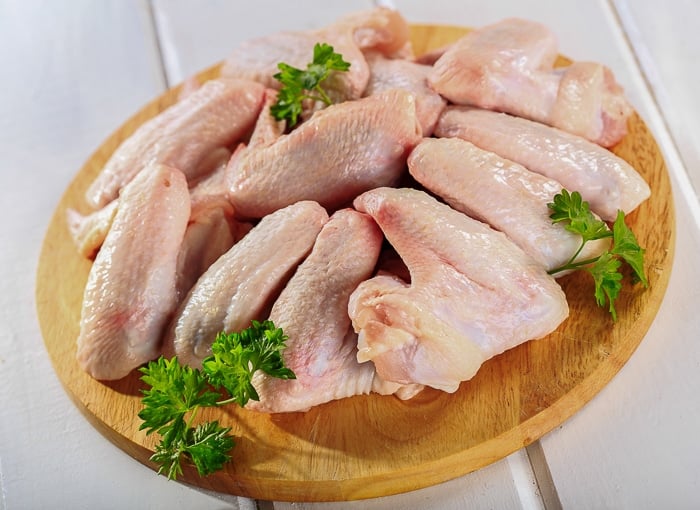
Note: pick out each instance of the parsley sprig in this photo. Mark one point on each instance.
(178, 391)
(301, 84)
(236, 357)
(575, 214)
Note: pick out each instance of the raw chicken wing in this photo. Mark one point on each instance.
(313, 312)
(386, 74)
(211, 232)
(130, 292)
(505, 66)
(184, 135)
(89, 231)
(473, 294)
(241, 283)
(591, 104)
(501, 193)
(508, 67)
(340, 152)
(378, 29)
(605, 180)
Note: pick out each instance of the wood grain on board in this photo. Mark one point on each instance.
(369, 446)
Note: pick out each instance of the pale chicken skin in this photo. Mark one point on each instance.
(211, 225)
(591, 104)
(312, 310)
(473, 294)
(504, 66)
(211, 232)
(501, 193)
(212, 228)
(267, 128)
(257, 59)
(508, 67)
(604, 180)
(379, 29)
(131, 289)
(387, 73)
(342, 151)
(88, 231)
(213, 166)
(239, 286)
(184, 136)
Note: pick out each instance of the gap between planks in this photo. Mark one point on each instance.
(157, 40)
(546, 491)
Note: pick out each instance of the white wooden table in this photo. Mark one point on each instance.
(73, 70)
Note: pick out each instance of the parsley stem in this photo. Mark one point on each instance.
(225, 402)
(322, 94)
(573, 265)
(320, 97)
(576, 254)
(193, 414)
(576, 265)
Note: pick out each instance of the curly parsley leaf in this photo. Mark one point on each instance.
(176, 392)
(168, 456)
(206, 446)
(608, 281)
(300, 84)
(237, 356)
(574, 213)
(627, 247)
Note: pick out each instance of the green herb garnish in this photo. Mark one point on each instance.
(177, 392)
(299, 84)
(574, 213)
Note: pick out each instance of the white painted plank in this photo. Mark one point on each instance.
(72, 73)
(666, 45)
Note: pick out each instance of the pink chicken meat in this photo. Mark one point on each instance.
(379, 29)
(312, 310)
(473, 294)
(501, 193)
(387, 73)
(184, 135)
(89, 231)
(342, 151)
(504, 66)
(604, 180)
(508, 67)
(131, 290)
(210, 233)
(241, 283)
(591, 104)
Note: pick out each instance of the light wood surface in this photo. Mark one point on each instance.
(372, 446)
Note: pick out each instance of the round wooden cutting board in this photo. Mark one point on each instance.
(372, 446)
